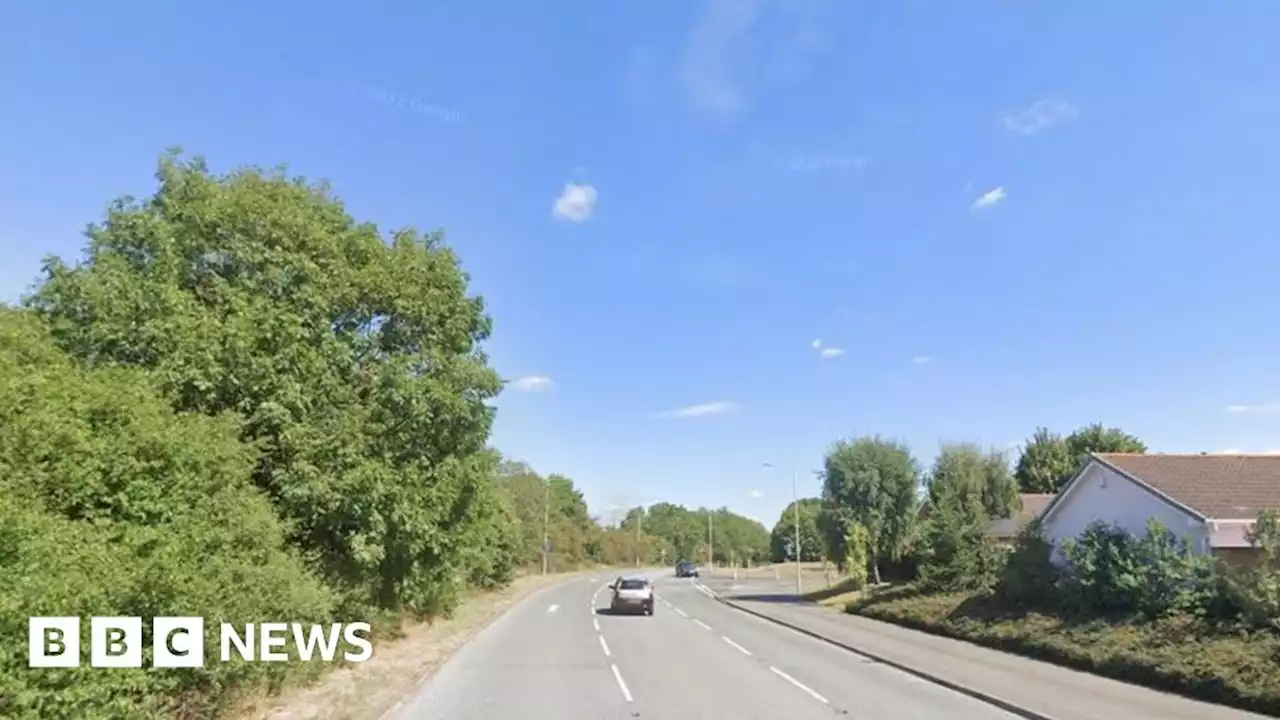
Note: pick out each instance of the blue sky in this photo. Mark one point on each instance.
(739, 179)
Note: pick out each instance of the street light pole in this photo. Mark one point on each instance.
(796, 504)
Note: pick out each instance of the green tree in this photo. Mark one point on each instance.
(986, 474)
(352, 362)
(783, 537)
(870, 481)
(1096, 438)
(957, 551)
(1045, 463)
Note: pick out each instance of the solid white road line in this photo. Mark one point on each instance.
(799, 684)
(702, 625)
(736, 646)
(621, 683)
(604, 646)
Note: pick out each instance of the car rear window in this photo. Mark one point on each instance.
(632, 585)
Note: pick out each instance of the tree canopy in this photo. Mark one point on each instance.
(1048, 459)
(870, 481)
(782, 539)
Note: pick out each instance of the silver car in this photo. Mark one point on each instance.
(632, 595)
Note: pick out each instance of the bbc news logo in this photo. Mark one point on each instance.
(178, 642)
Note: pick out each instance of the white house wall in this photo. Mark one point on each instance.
(1103, 494)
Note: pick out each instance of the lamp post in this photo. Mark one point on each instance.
(795, 505)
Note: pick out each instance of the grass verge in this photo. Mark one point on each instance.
(1183, 655)
(399, 665)
(838, 595)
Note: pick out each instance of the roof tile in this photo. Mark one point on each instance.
(1220, 487)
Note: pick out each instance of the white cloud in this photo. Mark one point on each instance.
(990, 198)
(816, 344)
(828, 353)
(720, 407)
(1237, 451)
(708, 57)
(1040, 116)
(757, 493)
(532, 383)
(1263, 408)
(922, 359)
(576, 203)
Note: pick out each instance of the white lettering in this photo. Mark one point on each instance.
(230, 637)
(352, 638)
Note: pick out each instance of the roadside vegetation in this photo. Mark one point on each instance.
(1142, 609)
(242, 403)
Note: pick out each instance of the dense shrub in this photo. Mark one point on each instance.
(110, 504)
(1110, 572)
(1254, 591)
(857, 559)
(1029, 577)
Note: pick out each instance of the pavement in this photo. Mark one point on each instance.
(559, 655)
(1036, 689)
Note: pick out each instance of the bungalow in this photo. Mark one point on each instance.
(1212, 500)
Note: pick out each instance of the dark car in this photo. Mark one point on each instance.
(686, 569)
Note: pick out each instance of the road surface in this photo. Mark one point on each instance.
(559, 655)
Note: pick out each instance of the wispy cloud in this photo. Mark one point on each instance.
(990, 198)
(1257, 409)
(400, 101)
(816, 344)
(831, 352)
(707, 70)
(922, 359)
(757, 493)
(532, 383)
(576, 202)
(1040, 116)
(720, 407)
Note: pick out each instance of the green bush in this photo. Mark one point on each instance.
(1029, 577)
(111, 504)
(1111, 572)
(857, 559)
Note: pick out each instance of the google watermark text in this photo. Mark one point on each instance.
(179, 642)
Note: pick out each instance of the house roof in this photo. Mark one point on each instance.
(1218, 487)
(1030, 505)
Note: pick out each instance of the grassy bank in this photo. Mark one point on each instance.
(1185, 655)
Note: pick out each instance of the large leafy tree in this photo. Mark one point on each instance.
(1097, 438)
(1048, 460)
(352, 362)
(967, 467)
(871, 481)
(783, 537)
(1044, 464)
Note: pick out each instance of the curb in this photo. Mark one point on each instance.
(950, 685)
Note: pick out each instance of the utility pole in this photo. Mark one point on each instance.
(796, 504)
(639, 522)
(546, 517)
(711, 540)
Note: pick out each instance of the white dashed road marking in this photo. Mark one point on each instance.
(736, 646)
(702, 625)
(553, 608)
(595, 622)
(679, 612)
(622, 684)
(799, 684)
(604, 646)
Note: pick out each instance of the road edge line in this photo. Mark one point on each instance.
(935, 679)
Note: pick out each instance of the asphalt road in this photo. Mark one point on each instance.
(559, 655)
